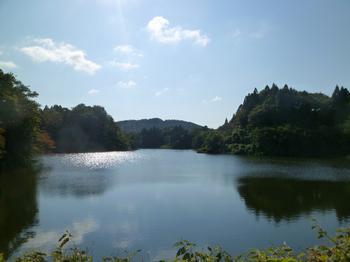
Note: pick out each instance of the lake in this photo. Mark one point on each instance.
(149, 199)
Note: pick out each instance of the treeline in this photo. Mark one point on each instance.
(176, 137)
(201, 139)
(26, 130)
(81, 129)
(274, 121)
(136, 126)
(287, 122)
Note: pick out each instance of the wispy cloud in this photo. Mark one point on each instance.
(93, 91)
(127, 84)
(125, 66)
(128, 50)
(261, 32)
(216, 99)
(161, 32)
(236, 33)
(161, 91)
(45, 49)
(7, 64)
(212, 100)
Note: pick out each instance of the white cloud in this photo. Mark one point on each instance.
(161, 32)
(7, 64)
(128, 50)
(93, 91)
(126, 66)
(261, 32)
(45, 49)
(127, 84)
(161, 91)
(216, 99)
(213, 100)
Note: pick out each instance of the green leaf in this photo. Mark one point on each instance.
(181, 251)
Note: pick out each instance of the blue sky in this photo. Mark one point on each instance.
(191, 60)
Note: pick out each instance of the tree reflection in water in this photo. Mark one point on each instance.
(288, 198)
(18, 207)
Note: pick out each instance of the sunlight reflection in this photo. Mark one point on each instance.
(101, 159)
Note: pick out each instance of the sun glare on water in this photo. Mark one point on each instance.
(100, 159)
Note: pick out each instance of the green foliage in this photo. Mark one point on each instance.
(26, 130)
(286, 122)
(19, 121)
(151, 138)
(274, 121)
(179, 138)
(337, 250)
(214, 143)
(187, 252)
(176, 137)
(199, 138)
(83, 128)
(136, 126)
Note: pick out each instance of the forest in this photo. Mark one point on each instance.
(287, 122)
(26, 129)
(136, 126)
(275, 121)
(81, 129)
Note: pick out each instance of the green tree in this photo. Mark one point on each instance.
(152, 138)
(19, 121)
(83, 128)
(291, 123)
(213, 143)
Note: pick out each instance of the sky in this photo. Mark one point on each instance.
(193, 60)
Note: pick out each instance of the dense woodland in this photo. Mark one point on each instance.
(81, 129)
(176, 137)
(26, 130)
(136, 126)
(19, 122)
(274, 121)
(287, 122)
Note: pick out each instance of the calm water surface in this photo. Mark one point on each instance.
(149, 199)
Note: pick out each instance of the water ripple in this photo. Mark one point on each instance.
(98, 160)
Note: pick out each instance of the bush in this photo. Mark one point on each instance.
(338, 250)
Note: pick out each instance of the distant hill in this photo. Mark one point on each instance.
(136, 126)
